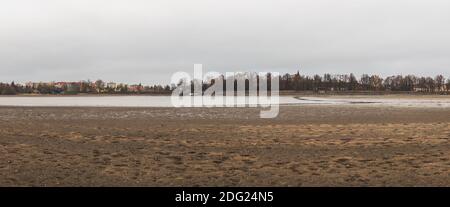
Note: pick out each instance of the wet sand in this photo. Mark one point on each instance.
(304, 146)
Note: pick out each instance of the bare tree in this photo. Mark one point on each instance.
(439, 81)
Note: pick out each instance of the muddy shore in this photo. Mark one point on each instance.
(304, 146)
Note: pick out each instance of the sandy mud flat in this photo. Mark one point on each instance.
(308, 145)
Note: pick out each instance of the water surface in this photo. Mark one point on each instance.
(165, 101)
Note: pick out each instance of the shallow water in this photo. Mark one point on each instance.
(400, 102)
(165, 101)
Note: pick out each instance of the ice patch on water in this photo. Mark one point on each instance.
(400, 102)
(165, 101)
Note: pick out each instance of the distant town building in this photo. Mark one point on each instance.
(111, 85)
(135, 88)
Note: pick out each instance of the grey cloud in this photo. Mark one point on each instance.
(147, 41)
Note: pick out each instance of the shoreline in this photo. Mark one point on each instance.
(281, 93)
(304, 146)
(118, 101)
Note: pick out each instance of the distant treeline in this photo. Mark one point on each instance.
(83, 87)
(349, 83)
(366, 82)
(287, 82)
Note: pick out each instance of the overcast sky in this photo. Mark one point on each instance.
(147, 41)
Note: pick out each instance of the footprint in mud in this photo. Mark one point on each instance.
(120, 165)
(294, 168)
(346, 162)
(118, 155)
(96, 153)
(178, 160)
(221, 159)
(343, 160)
